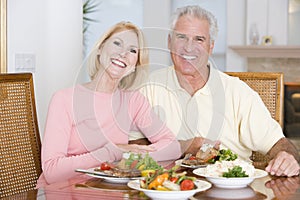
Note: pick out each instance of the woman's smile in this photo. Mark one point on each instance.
(118, 63)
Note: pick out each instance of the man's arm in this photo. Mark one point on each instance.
(285, 159)
(284, 145)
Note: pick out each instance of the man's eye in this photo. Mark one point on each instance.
(181, 36)
(200, 39)
(117, 43)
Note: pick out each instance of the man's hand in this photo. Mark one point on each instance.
(193, 145)
(284, 159)
(283, 164)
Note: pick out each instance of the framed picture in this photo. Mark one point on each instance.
(267, 40)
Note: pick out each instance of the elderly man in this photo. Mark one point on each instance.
(199, 102)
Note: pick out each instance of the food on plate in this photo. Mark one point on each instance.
(140, 162)
(224, 155)
(229, 169)
(105, 166)
(236, 171)
(208, 154)
(131, 165)
(147, 172)
(168, 180)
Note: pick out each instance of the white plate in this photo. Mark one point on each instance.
(106, 177)
(224, 182)
(179, 162)
(157, 194)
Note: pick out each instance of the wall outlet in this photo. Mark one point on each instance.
(25, 62)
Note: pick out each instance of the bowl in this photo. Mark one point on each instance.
(158, 194)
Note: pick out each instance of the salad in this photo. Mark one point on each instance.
(168, 180)
(131, 165)
(230, 169)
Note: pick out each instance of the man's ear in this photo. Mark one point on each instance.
(212, 45)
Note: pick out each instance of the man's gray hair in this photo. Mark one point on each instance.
(200, 13)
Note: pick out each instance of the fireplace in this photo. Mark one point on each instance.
(292, 109)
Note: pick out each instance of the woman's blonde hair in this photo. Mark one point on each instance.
(134, 79)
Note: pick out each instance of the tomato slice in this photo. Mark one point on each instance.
(192, 158)
(105, 166)
(187, 185)
(173, 179)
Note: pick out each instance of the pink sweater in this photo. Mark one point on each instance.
(83, 127)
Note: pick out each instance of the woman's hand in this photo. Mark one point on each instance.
(136, 148)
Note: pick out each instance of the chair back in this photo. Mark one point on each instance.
(269, 85)
(20, 146)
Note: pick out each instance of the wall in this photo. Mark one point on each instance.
(51, 31)
(156, 31)
(236, 27)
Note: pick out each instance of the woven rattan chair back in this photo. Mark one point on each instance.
(269, 86)
(20, 164)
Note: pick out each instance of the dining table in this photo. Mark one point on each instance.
(85, 187)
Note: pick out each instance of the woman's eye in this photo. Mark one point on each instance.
(133, 50)
(117, 43)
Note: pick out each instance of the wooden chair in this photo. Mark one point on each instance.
(20, 146)
(269, 85)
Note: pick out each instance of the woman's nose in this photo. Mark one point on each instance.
(123, 53)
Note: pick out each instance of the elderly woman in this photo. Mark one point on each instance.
(89, 124)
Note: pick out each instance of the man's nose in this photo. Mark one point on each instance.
(189, 45)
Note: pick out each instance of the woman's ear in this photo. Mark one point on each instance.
(99, 50)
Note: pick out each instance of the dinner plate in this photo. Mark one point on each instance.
(179, 162)
(158, 194)
(106, 177)
(224, 182)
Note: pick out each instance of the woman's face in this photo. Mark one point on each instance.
(119, 54)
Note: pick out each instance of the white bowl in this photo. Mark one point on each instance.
(157, 194)
(224, 182)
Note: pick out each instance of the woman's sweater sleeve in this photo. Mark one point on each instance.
(57, 163)
(166, 145)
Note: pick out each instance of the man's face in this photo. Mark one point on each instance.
(190, 45)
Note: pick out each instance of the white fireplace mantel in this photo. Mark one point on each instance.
(267, 51)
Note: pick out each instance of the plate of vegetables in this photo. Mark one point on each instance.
(169, 184)
(206, 156)
(129, 168)
(230, 174)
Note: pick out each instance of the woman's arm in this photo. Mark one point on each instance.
(62, 148)
(163, 140)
